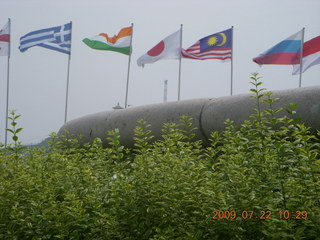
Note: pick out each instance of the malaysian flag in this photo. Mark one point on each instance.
(54, 38)
(216, 46)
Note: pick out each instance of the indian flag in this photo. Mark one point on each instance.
(119, 43)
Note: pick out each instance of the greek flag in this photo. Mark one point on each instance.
(54, 38)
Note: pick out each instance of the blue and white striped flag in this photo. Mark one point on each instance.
(55, 38)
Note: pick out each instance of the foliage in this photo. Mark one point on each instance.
(17, 146)
(169, 188)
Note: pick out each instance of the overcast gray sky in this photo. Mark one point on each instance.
(98, 78)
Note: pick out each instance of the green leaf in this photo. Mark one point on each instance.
(19, 130)
(253, 90)
(16, 117)
(9, 130)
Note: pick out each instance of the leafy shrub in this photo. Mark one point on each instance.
(169, 188)
(263, 167)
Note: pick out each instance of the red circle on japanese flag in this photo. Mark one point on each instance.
(156, 50)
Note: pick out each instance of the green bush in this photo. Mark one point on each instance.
(170, 188)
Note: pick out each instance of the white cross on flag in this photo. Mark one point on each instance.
(54, 38)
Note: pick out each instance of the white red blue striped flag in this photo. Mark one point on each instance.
(4, 40)
(311, 55)
(286, 52)
(215, 46)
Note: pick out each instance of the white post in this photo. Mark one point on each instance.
(165, 91)
(67, 91)
(179, 83)
(301, 57)
(68, 74)
(231, 90)
(8, 73)
(128, 73)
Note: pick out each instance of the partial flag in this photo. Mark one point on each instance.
(4, 40)
(168, 48)
(54, 38)
(287, 52)
(215, 46)
(118, 43)
(311, 55)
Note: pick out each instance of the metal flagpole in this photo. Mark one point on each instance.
(8, 73)
(301, 57)
(179, 83)
(128, 73)
(68, 74)
(67, 90)
(231, 61)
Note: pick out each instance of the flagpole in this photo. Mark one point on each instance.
(8, 73)
(68, 74)
(67, 90)
(128, 73)
(179, 83)
(301, 57)
(231, 84)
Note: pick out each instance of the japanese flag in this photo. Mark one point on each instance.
(168, 48)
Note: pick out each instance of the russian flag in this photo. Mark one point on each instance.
(311, 55)
(286, 52)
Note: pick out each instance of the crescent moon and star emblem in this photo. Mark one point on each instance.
(217, 40)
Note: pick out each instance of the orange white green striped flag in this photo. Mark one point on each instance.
(118, 43)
